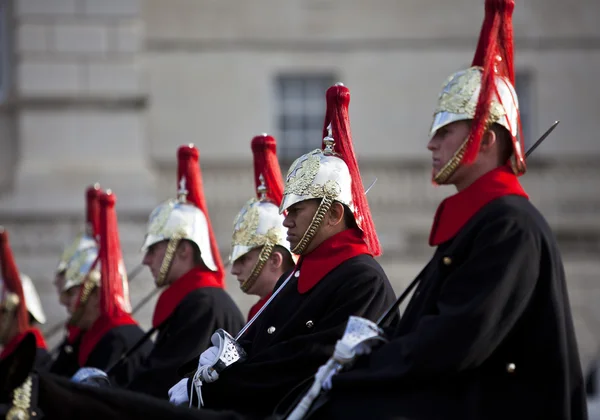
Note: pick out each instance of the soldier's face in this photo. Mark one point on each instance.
(154, 257)
(298, 219)
(59, 283)
(444, 143)
(242, 268)
(71, 298)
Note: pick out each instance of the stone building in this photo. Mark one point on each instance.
(106, 90)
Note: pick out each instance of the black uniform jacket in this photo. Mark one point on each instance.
(297, 332)
(114, 344)
(66, 363)
(488, 333)
(184, 335)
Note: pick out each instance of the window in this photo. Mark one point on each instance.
(4, 52)
(524, 88)
(301, 111)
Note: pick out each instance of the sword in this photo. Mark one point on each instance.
(260, 311)
(541, 139)
(370, 186)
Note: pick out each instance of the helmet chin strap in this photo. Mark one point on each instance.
(10, 304)
(263, 257)
(315, 223)
(450, 167)
(167, 261)
(89, 284)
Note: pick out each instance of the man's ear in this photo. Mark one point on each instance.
(488, 140)
(335, 215)
(275, 260)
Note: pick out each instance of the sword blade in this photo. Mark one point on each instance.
(249, 323)
(541, 139)
(370, 186)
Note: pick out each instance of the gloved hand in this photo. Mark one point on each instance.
(178, 394)
(92, 377)
(326, 380)
(364, 348)
(209, 357)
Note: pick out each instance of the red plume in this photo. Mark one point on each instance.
(264, 149)
(495, 54)
(12, 281)
(92, 195)
(338, 99)
(189, 166)
(112, 296)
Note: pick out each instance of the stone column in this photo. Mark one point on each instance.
(76, 114)
(81, 102)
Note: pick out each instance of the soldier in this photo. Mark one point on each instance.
(330, 226)
(488, 333)
(96, 283)
(260, 254)
(183, 257)
(14, 316)
(66, 362)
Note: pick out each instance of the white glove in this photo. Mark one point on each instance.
(326, 382)
(363, 348)
(209, 357)
(178, 394)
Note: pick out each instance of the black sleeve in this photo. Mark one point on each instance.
(107, 352)
(185, 337)
(270, 374)
(479, 303)
(66, 363)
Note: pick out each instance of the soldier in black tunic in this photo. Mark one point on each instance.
(183, 256)
(97, 284)
(14, 314)
(330, 226)
(488, 333)
(66, 363)
(260, 253)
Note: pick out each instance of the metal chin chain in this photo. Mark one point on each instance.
(267, 248)
(174, 240)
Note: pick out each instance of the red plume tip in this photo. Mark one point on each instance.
(264, 149)
(338, 100)
(92, 195)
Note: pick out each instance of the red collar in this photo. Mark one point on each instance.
(327, 256)
(256, 307)
(194, 279)
(16, 340)
(99, 328)
(455, 211)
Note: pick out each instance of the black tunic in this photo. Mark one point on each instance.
(306, 328)
(43, 360)
(114, 344)
(185, 335)
(487, 335)
(66, 363)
